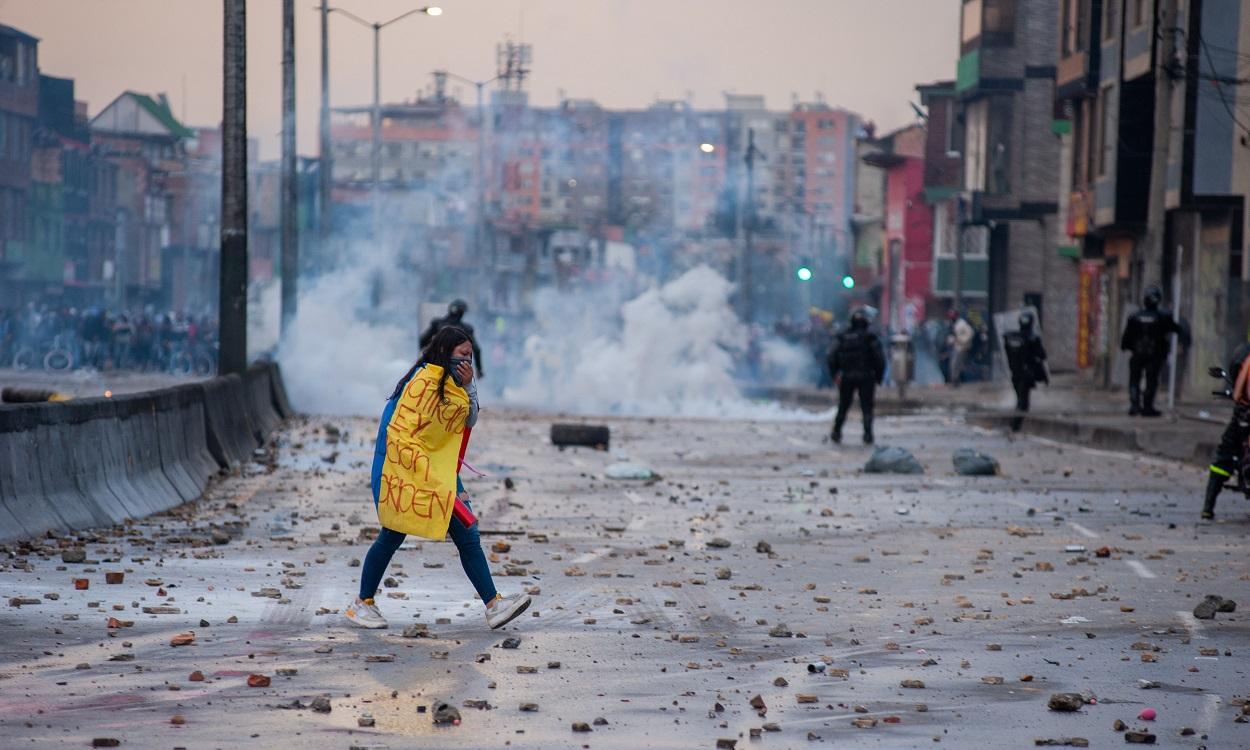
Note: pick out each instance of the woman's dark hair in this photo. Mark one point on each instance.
(437, 352)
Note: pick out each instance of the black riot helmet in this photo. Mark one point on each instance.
(859, 319)
(1026, 322)
(458, 308)
(1152, 298)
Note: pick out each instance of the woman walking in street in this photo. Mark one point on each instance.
(416, 485)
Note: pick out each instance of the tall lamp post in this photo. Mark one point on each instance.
(748, 229)
(375, 151)
(481, 156)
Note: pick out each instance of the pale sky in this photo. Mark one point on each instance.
(864, 55)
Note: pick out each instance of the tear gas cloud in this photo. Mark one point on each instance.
(674, 348)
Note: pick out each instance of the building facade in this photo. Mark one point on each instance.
(1110, 53)
(19, 110)
(1007, 210)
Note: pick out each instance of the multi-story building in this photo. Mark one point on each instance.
(1007, 210)
(960, 279)
(142, 137)
(868, 220)
(573, 164)
(59, 259)
(190, 268)
(428, 148)
(19, 108)
(1109, 56)
(562, 182)
(906, 269)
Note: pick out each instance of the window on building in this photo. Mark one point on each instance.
(970, 22)
(1079, 146)
(1103, 139)
(1068, 28)
(998, 146)
(954, 128)
(10, 50)
(999, 24)
(1110, 28)
(1139, 13)
(1075, 25)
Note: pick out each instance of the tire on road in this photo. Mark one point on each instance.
(588, 435)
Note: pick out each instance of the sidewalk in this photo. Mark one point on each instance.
(1068, 410)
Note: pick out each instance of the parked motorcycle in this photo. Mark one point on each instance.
(1240, 479)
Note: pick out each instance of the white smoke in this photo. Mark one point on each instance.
(669, 351)
(786, 364)
(341, 355)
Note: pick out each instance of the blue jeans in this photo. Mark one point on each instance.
(467, 541)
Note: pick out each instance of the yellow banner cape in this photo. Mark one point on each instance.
(424, 439)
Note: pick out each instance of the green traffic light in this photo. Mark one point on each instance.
(804, 273)
(848, 282)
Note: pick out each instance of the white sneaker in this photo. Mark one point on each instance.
(363, 613)
(505, 609)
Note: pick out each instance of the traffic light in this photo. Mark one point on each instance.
(848, 282)
(804, 273)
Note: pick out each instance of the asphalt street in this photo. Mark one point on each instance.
(937, 608)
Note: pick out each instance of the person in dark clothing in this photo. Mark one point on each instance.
(1027, 359)
(454, 317)
(858, 358)
(1232, 442)
(1146, 339)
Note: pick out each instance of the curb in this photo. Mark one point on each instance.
(1150, 442)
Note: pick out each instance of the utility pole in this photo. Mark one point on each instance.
(480, 218)
(326, 169)
(1150, 260)
(376, 150)
(375, 153)
(232, 303)
(290, 232)
(748, 231)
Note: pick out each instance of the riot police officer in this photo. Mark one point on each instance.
(454, 317)
(1027, 359)
(1146, 339)
(857, 357)
(1233, 441)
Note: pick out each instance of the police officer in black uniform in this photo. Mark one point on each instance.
(856, 356)
(454, 317)
(1027, 359)
(1146, 339)
(1233, 441)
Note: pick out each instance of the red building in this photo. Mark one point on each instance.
(907, 251)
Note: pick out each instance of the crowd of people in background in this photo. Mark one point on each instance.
(960, 346)
(48, 337)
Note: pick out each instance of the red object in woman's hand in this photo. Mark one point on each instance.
(462, 513)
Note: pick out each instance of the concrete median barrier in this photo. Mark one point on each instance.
(197, 459)
(21, 487)
(280, 400)
(261, 407)
(231, 438)
(65, 462)
(136, 425)
(98, 461)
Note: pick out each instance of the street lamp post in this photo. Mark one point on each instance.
(375, 155)
(481, 158)
(748, 230)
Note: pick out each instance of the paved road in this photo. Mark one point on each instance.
(938, 578)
